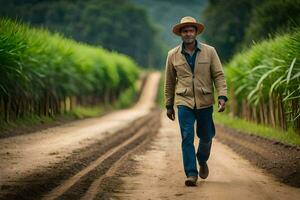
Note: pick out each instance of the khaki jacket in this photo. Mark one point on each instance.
(183, 88)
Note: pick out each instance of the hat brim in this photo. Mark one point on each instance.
(177, 27)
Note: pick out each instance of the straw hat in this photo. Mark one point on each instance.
(185, 21)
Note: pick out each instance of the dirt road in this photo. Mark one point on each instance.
(160, 174)
(123, 155)
(23, 155)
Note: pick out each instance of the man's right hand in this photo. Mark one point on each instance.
(171, 113)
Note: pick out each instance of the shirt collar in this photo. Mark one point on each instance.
(197, 47)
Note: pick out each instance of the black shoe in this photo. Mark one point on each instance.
(191, 181)
(204, 171)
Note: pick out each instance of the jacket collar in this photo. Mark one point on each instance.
(197, 47)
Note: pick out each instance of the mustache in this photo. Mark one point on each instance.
(188, 37)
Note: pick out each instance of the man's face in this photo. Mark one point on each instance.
(188, 34)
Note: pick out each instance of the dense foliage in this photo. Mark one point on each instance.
(40, 71)
(114, 24)
(234, 25)
(166, 13)
(265, 82)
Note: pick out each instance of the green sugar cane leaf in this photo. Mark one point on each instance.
(278, 60)
(296, 97)
(4, 90)
(263, 77)
(296, 117)
(288, 96)
(274, 85)
(256, 101)
(258, 67)
(297, 75)
(290, 71)
(241, 88)
(250, 96)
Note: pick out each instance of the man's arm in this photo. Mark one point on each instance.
(169, 88)
(169, 83)
(218, 76)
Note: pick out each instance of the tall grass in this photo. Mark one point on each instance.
(264, 82)
(41, 71)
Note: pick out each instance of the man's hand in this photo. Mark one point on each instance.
(221, 104)
(171, 113)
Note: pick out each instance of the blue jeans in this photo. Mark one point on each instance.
(205, 132)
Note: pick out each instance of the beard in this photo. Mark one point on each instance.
(188, 40)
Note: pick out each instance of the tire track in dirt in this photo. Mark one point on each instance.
(72, 188)
(25, 154)
(95, 190)
(78, 171)
(34, 184)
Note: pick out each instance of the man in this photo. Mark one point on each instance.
(192, 68)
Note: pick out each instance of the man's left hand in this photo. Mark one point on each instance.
(221, 104)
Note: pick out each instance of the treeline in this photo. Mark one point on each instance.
(117, 25)
(166, 13)
(264, 82)
(235, 25)
(40, 72)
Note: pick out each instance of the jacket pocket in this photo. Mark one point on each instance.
(206, 90)
(182, 70)
(206, 96)
(181, 91)
(203, 68)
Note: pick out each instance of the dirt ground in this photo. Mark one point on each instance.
(74, 176)
(280, 160)
(158, 173)
(136, 154)
(34, 154)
